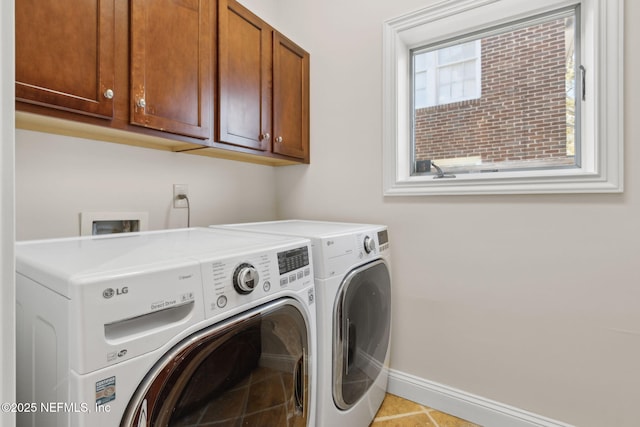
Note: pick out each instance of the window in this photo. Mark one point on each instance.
(504, 97)
(524, 119)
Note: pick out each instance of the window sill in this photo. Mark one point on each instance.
(530, 182)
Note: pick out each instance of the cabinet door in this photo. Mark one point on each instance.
(171, 53)
(244, 67)
(65, 54)
(290, 99)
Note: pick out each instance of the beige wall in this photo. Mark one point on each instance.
(57, 177)
(532, 301)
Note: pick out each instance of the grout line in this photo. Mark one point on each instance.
(424, 410)
(431, 418)
(396, 416)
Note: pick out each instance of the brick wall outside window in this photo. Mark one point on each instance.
(522, 114)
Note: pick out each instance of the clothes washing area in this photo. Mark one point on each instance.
(281, 323)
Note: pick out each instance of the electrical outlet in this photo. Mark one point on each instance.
(180, 189)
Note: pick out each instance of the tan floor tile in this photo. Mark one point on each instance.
(417, 420)
(394, 405)
(398, 412)
(445, 420)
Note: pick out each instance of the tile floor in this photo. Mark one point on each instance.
(398, 412)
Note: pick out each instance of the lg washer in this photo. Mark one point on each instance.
(353, 291)
(173, 328)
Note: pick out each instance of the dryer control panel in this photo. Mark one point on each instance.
(335, 254)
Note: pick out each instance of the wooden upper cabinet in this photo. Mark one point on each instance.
(263, 85)
(171, 65)
(244, 77)
(290, 99)
(200, 74)
(65, 54)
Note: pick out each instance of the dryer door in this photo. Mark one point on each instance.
(251, 370)
(362, 323)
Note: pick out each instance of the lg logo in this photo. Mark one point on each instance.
(110, 292)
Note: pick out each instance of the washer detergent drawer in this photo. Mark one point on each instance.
(252, 369)
(131, 314)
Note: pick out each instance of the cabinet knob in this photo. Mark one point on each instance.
(279, 139)
(265, 136)
(108, 94)
(141, 103)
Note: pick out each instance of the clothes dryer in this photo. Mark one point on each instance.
(174, 328)
(353, 293)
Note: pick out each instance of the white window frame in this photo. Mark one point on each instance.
(601, 44)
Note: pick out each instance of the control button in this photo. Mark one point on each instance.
(369, 244)
(300, 274)
(245, 278)
(307, 271)
(266, 286)
(292, 278)
(283, 281)
(222, 301)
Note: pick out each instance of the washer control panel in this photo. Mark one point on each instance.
(237, 281)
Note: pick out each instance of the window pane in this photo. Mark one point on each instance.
(457, 53)
(420, 62)
(519, 109)
(420, 83)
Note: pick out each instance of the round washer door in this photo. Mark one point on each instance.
(362, 325)
(251, 370)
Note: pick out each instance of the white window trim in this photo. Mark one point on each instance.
(601, 37)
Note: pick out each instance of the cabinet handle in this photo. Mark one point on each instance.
(265, 136)
(279, 139)
(108, 94)
(141, 103)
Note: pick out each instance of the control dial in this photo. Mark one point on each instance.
(245, 278)
(369, 244)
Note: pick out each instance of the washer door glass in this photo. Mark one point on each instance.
(251, 370)
(362, 323)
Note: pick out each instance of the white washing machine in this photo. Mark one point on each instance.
(353, 292)
(174, 328)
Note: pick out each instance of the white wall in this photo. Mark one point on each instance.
(7, 288)
(532, 301)
(57, 177)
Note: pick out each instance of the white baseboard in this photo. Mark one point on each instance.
(470, 407)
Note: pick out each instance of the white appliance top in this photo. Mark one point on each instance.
(62, 263)
(308, 229)
(337, 247)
